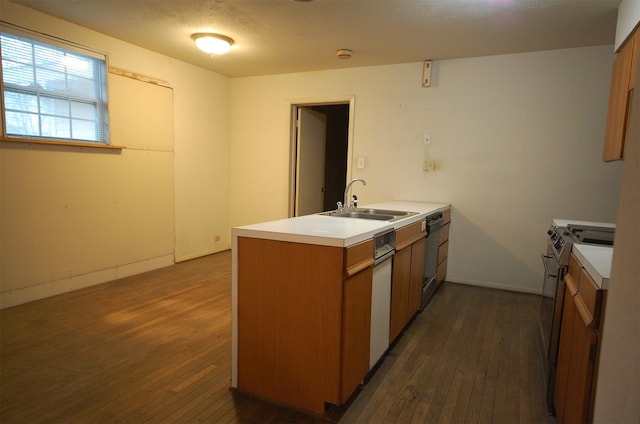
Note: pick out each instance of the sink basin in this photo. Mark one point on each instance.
(385, 212)
(367, 213)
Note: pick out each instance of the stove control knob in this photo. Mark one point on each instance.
(550, 232)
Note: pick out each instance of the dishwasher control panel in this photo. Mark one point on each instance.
(384, 244)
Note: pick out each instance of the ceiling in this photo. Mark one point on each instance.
(282, 36)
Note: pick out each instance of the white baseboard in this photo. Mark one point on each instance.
(494, 286)
(52, 288)
(203, 253)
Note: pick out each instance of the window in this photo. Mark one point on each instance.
(52, 91)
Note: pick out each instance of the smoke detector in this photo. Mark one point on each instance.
(344, 53)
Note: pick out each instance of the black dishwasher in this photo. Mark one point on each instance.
(434, 225)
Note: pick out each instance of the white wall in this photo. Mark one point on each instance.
(164, 198)
(628, 18)
(517, 141)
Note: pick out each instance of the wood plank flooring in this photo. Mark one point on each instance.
(155, 348)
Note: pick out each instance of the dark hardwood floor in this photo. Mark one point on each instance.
(155, 348)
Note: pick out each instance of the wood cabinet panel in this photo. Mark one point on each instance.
(444, 234)
(400, 282)
(574, 269)
(591, 296)
(573, 397)
(409, 234)
(416, 277)
(580, 375)
(443, 251)
(446, 216)
(564, 352)
(407, 275)
(619, 101)
(289, 352)
(441, 273)
(358, 257)
(634, 59)
(356, 331)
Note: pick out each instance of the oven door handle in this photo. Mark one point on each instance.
(545, 259)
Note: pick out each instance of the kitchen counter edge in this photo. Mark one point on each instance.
(334, 231)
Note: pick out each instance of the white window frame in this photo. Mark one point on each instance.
(96, 101)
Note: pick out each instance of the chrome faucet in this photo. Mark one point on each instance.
(349, 205)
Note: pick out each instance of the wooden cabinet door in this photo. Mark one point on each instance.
(356, 331)
(416, 277)
(400, 281)
(619, 102)
(581, 367)
(565, 352)
(574, 374)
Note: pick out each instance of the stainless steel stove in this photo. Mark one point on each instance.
(562, 235)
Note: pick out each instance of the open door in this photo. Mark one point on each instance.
(319, 164)
(311, 147)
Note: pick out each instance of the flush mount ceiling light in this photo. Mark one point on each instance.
(344, 53)
(212, 43)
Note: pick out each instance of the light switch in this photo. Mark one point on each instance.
(428, 165)
(360, 163)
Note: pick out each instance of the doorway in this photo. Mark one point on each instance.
(320, 152)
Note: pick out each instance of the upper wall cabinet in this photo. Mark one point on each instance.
(622, 84)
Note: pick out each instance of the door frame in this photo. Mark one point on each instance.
(294, 105)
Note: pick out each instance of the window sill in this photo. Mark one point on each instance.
(61, 143)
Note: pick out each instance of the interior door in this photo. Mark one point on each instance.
(311, 146)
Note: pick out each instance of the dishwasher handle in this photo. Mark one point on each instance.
(435, 224)
(384, 257)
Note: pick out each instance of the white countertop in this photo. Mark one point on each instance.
(565, 222)
(335, 231)
(596, 260)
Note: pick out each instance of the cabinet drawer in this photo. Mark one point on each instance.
(358, 257)
(441, 273)
(409, 234)
(442, 251)
(590, 294)
(444, 234)
(446, 216)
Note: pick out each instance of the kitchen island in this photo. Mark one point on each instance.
(301, 304)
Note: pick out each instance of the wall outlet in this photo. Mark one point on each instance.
(428, 165)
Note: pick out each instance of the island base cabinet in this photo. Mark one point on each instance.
(303, 326)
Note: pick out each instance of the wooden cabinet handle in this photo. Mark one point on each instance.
(584, 312)
(353, 270)
(577, 300)
(571, 285)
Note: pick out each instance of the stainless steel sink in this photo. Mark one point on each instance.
(367, 213)
(385, 212)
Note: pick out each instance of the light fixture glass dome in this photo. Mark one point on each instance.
(212, 43)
